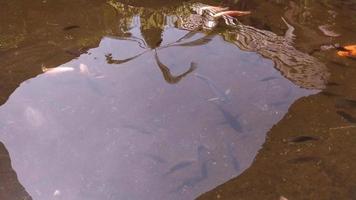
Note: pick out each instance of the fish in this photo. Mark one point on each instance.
(220, 95)
(232, 13)
(234, 161)
(202, 152)
(179, 166)
(345, 103)
(303, 138)
(57, 70)
(67, 28)
(200, 9)
(191, 182)
(349, 118)
(230, 119)
(269, 78)
(347, 51)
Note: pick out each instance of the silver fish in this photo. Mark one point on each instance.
(179, 166)
(230, 119)
(220, 95)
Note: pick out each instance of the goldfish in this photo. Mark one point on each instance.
(347, 51)
(232, 13)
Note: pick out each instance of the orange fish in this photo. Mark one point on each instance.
(347, 51)
(232, 13)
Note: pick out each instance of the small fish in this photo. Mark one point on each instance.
(191, 182)
(179, 166)
(234, 160)
(349, 118)
(67, 28)
(57, 70)
(203, 153)
(220, 95)
(347, 51)
(345, 103)
(214, 9)
(231, 120)
(269, 78)
(303, 138)
(232, 13)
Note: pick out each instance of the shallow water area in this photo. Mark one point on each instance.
(137, 107)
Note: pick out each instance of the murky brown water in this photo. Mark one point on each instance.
(146, 102)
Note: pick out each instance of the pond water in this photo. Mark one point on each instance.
(120, 100)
